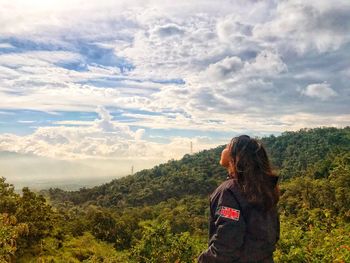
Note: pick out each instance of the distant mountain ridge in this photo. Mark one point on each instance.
(305, 152)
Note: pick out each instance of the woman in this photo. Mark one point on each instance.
(244, 222)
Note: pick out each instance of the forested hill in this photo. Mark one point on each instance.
(308, 152)
(161, 214)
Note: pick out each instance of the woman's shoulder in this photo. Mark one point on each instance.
(228, 194)
(227, 185)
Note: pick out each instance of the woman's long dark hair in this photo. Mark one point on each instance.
(251, 167)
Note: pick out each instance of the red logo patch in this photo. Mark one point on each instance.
(228, 212)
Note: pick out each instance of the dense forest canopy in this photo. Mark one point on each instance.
(160, 214)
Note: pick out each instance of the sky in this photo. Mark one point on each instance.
(89, 89)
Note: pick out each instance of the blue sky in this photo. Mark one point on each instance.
(125, 80)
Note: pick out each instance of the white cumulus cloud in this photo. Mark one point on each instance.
(321, 91)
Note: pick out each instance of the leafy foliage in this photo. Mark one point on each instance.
(84, 248)
(159, 244)
(33, 210)
(10, 231)
(293, 153)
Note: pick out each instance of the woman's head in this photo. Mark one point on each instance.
(247, 161)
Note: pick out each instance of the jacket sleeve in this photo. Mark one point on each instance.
(230, 227)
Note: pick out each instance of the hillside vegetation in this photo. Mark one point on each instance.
(161, 214)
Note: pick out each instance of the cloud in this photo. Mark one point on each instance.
(321, 91)
(6, 46)
(139, 134)
(231, 67)
(105, 123)
(168, 30)
(225, 67)
(103, 138)
(230, 29)
(307, 26)
(267, 64)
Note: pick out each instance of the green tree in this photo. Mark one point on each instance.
(10, 231)
(159, 244)
(8, 197)
(37, 214)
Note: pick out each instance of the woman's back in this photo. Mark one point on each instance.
(244, 222)
(255, 231)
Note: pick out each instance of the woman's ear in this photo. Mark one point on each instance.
(225, 158)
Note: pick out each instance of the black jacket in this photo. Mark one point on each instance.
(239, 232)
